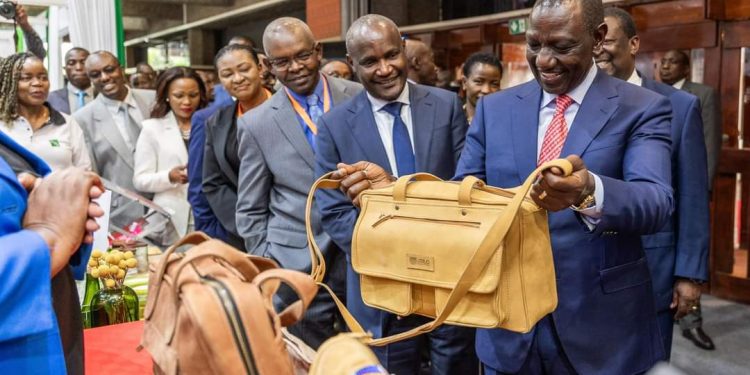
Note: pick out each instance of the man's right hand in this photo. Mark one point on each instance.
(360, 176)
(61, 212)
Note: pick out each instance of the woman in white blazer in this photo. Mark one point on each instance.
(161, 151)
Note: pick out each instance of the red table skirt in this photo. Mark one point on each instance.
(112, 350)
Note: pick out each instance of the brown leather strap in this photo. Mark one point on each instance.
(317, 260)
(301, 283)
(399, 189)
(494, 238)
(193, 238)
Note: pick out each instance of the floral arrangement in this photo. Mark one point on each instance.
(110, 267)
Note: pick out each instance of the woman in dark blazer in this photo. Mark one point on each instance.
(239, 73)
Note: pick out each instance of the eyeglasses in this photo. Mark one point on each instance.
(283, 63)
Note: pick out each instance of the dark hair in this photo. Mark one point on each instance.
(75, 49)
(481, 58)
(244, 38)
(593, 11)
(237, 47)
(683, 56)
(624, 19)
(10, 74)
(161, 107)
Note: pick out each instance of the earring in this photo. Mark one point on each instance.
(167, 100)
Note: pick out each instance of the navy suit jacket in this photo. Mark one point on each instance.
(58, 99)
(203, 216)
(681, 247)
(605, 318)
(348, 133)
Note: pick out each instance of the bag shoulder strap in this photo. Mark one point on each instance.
(495, 236)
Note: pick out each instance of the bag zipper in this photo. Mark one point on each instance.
(233, 315)
(383, 218)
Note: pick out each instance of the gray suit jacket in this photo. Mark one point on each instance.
(277, 171)
(58, 99)
(110, 156)
(712, 125)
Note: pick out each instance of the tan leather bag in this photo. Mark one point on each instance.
(461, 252)
(210, 311)
(346, 354)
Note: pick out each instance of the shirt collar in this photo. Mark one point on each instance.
(578, 93)
(55, 117)
(302, 99)
(116, 103)
(75, 90)
(635, 78)
(378, 104)
(678, 85)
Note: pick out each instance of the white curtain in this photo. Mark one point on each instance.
(92, 25)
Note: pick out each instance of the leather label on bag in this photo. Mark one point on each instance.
(420, 262)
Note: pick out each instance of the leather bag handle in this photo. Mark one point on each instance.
(193, 238)
(301, 283)
(318, 262)
(399, 189)
(495, 236)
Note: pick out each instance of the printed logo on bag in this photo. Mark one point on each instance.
(420, 262)
(371, 370)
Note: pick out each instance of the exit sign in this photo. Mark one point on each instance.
(517, 26)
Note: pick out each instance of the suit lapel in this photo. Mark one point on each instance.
(365, 131)
(221, 137)
(338, 90)
(423, 123)
(525, 128)
(286, 119)
(593, 114)
(103, 118)
(172, 133)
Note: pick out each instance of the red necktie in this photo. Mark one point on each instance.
(557, 131)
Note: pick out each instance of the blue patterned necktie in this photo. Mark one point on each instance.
(314, 111)
(81, 99)
(405, 162)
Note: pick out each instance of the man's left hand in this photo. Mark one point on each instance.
(685, 297)
(555, 192)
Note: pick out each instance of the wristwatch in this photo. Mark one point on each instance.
(587, 202)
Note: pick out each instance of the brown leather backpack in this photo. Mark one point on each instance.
(210, 311)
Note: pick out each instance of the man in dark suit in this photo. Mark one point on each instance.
(406, 128)
(678, 254)
(277, 157)
(675, 70)
(617, 136)
(78, 91)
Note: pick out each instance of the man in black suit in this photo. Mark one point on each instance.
(675, 70)
(78, 91)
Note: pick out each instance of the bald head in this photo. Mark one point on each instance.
(293, 54)
(368, 27)
(421, 60)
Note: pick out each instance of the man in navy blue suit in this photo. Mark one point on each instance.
(617, 136)
(678, 253)
(406, 128)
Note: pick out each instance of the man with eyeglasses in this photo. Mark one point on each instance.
(277, 159)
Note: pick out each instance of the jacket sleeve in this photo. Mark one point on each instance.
(459, 125)
(78, 144)
(641, 201)
(691, 192)
(216, 186)
(712, 131)
(253, 191)
(472, 160)
(146, 174)
(338, 214)
(26, 287)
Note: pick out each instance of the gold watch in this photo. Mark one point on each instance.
(587, 202)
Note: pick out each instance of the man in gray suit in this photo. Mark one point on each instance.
(277, 143)
(78, 91)
(675, 70)
(111, 125)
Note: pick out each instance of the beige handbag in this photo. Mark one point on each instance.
(462, 253)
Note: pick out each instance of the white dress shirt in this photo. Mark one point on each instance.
(120, 116)
(73, 96)
(547, 112)
(678, 85)
(59, 142)
(385, 121)
(635, 79)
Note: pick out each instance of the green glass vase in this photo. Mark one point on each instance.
(114, 306)
(92, 286)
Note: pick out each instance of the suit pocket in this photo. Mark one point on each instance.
(287, 237)
(624, 276)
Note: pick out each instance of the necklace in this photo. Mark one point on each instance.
(185, 133)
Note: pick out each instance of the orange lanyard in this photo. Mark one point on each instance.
(301, 111)
(240, 112)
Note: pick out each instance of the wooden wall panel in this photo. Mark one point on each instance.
(737, 34)
(668, 13)
(737, 9)
(324, 18)
(686, 36)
